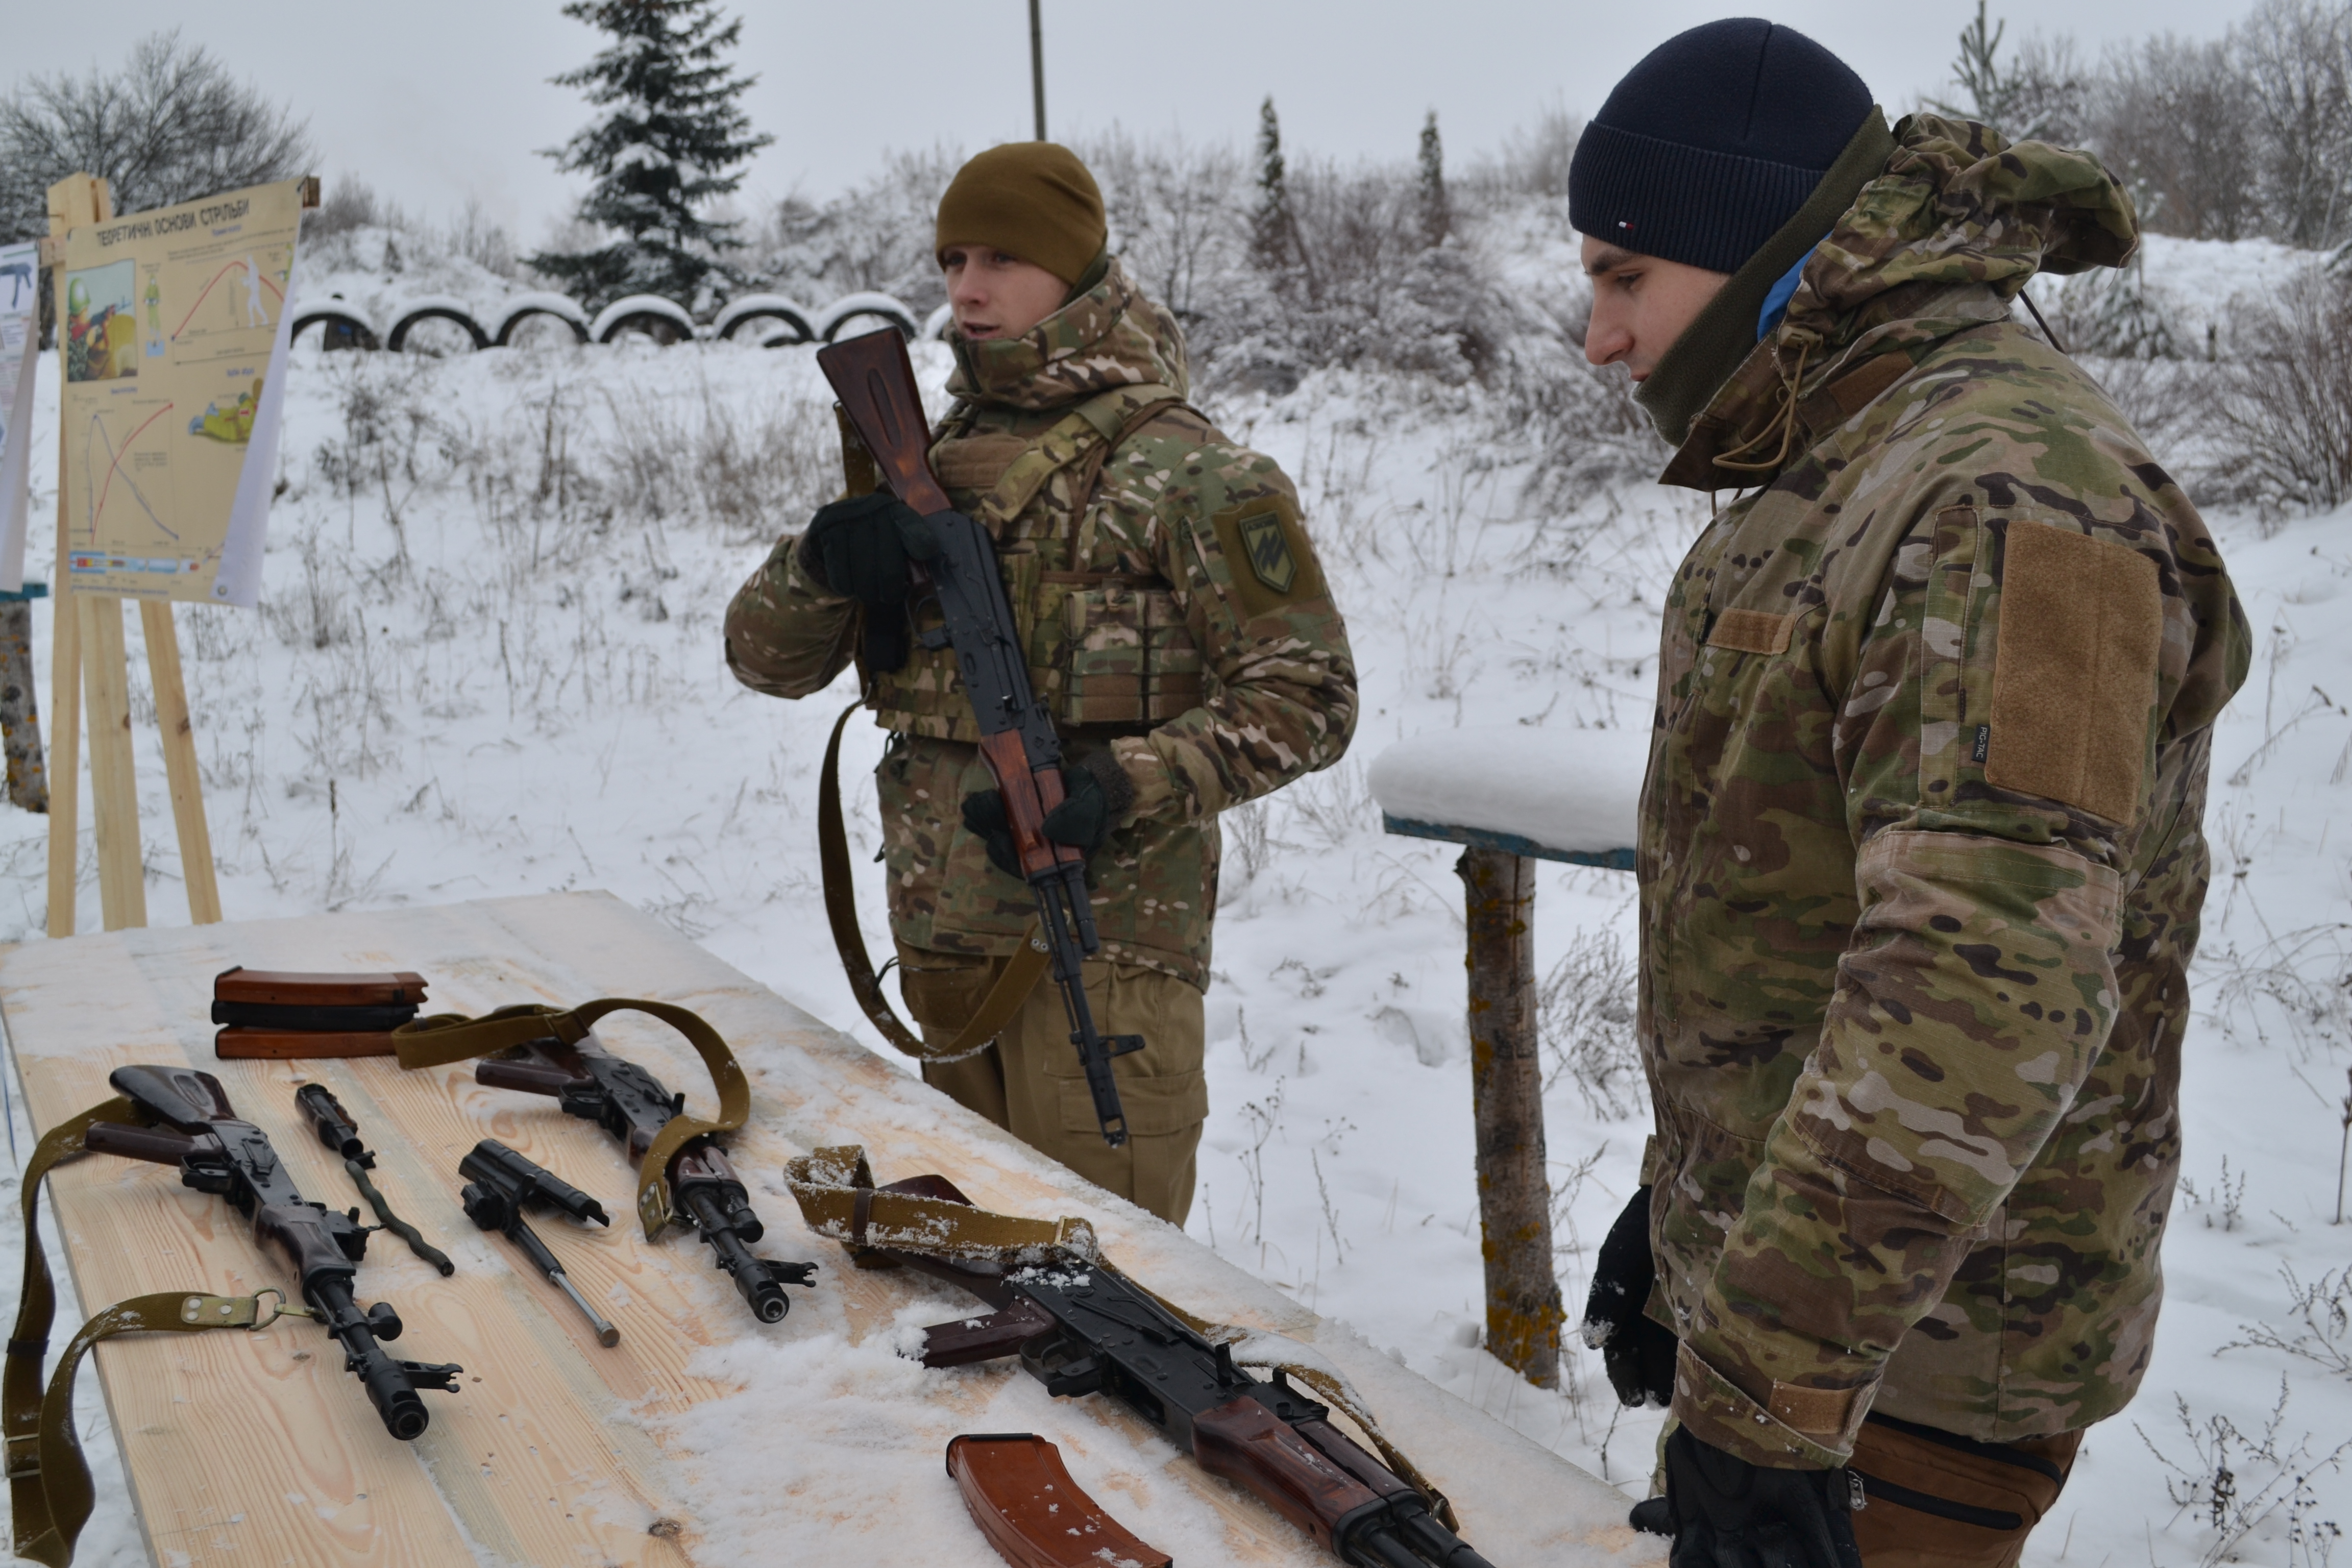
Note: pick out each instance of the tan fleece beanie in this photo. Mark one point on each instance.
(1030, 199)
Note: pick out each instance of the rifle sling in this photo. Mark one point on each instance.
(834, 1188)
(446, 1037)
(1005, 997)
(49, 1492)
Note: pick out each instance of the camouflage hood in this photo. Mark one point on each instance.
(1943, 239)
(1111, 335)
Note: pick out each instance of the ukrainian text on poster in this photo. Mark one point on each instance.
(174, 342)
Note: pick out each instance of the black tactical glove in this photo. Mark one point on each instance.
(1725, 1512)
(852, 548)
(1636, 1352)
(1097, 793)
(858, 548)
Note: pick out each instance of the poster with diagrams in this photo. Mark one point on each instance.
(174, 336)
(20, 323)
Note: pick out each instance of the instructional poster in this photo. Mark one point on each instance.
(175, 339)
(20, 302)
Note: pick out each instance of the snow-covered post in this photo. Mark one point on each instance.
(1512, 796)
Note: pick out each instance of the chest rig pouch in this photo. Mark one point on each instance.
(1105, 648)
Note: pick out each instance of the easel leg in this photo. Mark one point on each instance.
(65, 750)
(113, 792)
(159, 623)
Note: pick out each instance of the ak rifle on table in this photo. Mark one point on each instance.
(219, 1153)
(876, 383)
(633, 1106)
(1084, 1328)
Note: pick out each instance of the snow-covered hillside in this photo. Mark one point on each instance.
(489, 662)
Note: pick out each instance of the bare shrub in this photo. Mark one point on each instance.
(2321, 1332)
(2233, 1482)
(2296, 58)
(2286, 407)
(1588, 431)
(2251, 133)
(169, 125)
(876, 236)
(1176, 215)
(2172, 124)
(2165, 400)
(1584, 1016)
(1533, 160)
(347, 205)
(751, 472)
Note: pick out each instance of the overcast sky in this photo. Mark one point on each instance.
(434, 100)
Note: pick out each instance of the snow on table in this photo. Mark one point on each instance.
(1556, 795)
(703, 1436)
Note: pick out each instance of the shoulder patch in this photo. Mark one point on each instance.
(2074, 669)
(1268, 549)
(1266, 554)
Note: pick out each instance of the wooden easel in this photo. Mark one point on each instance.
(88, 662)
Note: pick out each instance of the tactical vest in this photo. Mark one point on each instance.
(1104, 647)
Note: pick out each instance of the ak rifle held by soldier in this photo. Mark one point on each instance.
(218, 1153)
(633, 1106)
(953, 564)
(1081, 1327)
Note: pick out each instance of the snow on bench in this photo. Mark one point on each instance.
(1553, 795)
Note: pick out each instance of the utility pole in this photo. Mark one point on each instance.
(1038, 67)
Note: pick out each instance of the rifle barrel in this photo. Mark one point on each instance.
(387, 1382)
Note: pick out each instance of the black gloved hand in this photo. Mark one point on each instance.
(1097, 793)
(858, 548)
(1637, 1353)
(855, 548)
(1725, 1512)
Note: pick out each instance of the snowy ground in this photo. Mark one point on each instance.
(488, 663)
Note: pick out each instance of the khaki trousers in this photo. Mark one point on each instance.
(1030, 1083)
(1937, 1500)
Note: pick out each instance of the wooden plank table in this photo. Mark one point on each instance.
(703, 1437)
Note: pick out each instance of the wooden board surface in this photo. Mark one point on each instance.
(258, 1448)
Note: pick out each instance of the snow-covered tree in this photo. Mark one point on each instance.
(671, 130)
(1271, 227)
(1436, 210)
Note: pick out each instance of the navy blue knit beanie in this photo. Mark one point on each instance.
(1714, 141)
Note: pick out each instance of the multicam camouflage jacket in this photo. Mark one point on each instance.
(1174, 611)
(1921, 859)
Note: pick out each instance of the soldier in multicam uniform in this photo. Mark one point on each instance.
(1921, 859)
(1179, 627)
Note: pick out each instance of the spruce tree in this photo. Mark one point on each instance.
(1436, 211)
(1270, 226)
(672, 128)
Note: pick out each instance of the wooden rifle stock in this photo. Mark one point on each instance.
(876, 383)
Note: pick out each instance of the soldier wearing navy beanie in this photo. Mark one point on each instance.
(1726, 154)
(1920, 859)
